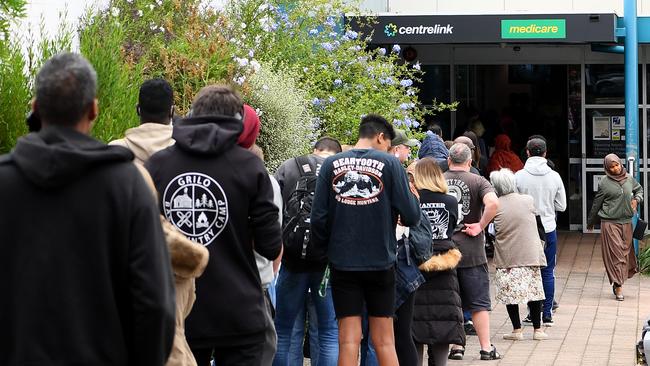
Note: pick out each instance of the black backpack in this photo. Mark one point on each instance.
(296, 230)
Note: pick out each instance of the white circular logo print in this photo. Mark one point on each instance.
(197, 206)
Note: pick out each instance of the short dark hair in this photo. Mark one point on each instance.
(66, 87)
(536, 147)
(328, 144)
(217, 100)
(155, 101)
(435, 128)
(374, 124)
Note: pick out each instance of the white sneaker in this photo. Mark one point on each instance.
(539, 335)
(514, 336)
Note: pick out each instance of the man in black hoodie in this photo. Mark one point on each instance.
(220, 195)
(87, 277)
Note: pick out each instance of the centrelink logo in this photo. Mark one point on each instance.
(391, 30)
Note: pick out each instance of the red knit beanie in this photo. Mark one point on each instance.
(251, 128)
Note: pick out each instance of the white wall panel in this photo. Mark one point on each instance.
(470, 6)
(412, 6)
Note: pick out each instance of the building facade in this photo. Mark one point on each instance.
(525, 68)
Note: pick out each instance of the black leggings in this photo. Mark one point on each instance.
(535, 314)
(404, 345)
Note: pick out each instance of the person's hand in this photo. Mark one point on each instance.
(634, 204)
(472, 229)
(414, 190)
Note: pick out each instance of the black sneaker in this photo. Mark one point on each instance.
(548, 321)
(555, 305)
(469, 329)
(528, 320)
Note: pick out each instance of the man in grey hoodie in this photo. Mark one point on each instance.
(538, 180)
(155, 108)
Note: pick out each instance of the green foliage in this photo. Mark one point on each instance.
(284, 113)
(118, 82)
(343, 77)
(17, 74)
(10, 10)
(644, 258)
(15, 95)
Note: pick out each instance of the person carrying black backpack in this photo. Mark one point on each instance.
(302, 267)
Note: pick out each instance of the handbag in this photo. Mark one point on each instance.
(639, 229)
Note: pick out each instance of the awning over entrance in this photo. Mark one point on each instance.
(524, 28)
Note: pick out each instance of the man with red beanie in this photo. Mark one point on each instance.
(251, 128)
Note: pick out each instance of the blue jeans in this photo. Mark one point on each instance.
(292, 289)
(296, 356)
(548, 273)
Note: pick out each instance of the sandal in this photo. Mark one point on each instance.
(456, 354)
(490, 355)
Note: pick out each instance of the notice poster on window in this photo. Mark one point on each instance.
(616, 135)
(597, 179)
(601, 128)
(618, 123)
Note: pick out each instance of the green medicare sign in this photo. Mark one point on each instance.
(533, 28)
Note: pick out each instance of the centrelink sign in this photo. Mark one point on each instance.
(539, 28)
(392, 30)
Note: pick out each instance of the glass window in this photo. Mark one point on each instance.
(605, 132)
(435, 85)
(605, 84)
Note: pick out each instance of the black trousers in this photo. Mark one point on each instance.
(243, 355)
(407, 354)
(535, 314)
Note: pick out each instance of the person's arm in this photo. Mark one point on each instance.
(320, 211)
(263, 215)
(491, 204)
(404, 198)
(595, 207)
(151, 283)
(280, 175)
(560, 196)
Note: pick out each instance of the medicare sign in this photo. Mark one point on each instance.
(533, 28)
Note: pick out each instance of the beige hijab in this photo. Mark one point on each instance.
(609, 159)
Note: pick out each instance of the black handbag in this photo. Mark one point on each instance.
(639, 229)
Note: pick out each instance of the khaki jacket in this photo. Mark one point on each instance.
(146, 139)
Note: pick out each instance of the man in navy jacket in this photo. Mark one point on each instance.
(360, 194)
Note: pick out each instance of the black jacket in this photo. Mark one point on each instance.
(86, 273)
(220, 195)
(437, 315)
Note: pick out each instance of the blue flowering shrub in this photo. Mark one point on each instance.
(344, 79)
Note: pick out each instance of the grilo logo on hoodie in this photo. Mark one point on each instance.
(197, 206)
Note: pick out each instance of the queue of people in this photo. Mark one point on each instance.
(183, 249)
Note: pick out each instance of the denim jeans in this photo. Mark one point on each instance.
(292, 290)
(548, 273)
(296, 354)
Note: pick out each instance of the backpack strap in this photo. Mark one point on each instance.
(305, 165)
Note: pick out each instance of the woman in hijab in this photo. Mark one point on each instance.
(617, 199)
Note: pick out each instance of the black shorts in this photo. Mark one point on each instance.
(474, 283)
(351, 289)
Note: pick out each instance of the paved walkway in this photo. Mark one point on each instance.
(591, 328)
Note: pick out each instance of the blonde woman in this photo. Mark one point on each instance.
(437, 317)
